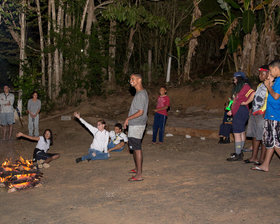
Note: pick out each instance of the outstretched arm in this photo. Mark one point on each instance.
(91, 128)
(20, 134)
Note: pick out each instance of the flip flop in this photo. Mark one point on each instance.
(132, 179)
(132, 171)
(258, 169)
(248, 161)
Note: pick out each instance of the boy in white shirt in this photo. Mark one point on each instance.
(117, 139)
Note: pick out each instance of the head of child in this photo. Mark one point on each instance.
(35, 95)
(118, 128)
(239, 79)
(6, 89)
(48, 136)
(263, 72)
(274, 68)
(135, 80)
(101, 124)
(162, 91)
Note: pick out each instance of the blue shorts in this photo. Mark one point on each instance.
(240, 119)
(7, 118)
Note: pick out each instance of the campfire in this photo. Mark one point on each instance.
(19, 175)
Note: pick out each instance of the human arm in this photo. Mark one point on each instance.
(133, 116)
(11, 100)
(250, 99)
(20, 134)
(269, 83)
(118, 146)
(161, 108)
(91, 128)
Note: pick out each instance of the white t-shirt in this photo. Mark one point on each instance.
(117, 138)
(42, 144)
(101, 138)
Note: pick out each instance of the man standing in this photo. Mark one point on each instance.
(137, 119)
(7, 111)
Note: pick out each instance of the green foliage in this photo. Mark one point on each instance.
(28, 83)
(248, 21)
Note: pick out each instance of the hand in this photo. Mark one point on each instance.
(243, 103)
(77, 115)
(19, 134)
(93, 154)
(229, 113)
(155, 110)
(125, 124)
(268, 83)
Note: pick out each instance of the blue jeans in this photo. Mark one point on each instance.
(159, 124)
(112, 145)
(99, 155)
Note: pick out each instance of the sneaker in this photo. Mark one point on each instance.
(221, 141)
(226, 140)
(235, 157)
(79, 160)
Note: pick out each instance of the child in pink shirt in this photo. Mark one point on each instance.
(160, 117)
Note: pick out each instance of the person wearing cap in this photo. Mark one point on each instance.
(256, 119)
(7, 112)
(242, 95)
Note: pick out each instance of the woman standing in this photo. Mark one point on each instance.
(33, 109)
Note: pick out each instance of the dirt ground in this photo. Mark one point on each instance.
(185, 180)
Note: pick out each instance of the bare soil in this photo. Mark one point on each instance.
(185, 180)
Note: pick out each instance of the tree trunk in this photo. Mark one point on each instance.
(50, 63)
(193, 43)
(149, 67)
(129, 50)
(22, 39)
(41, 43)
(84, 15)
(112, 53)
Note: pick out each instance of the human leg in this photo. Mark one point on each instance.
(263, 152)
(91, 154)
(162, 127)
(156, 126)
(30, 125)
(10, 131)
(36, 125)
(52, 157)
(138, 155)
(256, 145)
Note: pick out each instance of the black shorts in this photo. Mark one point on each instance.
(40, 154)
(240, 119)
(134, 143)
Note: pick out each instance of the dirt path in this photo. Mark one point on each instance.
(186, 181)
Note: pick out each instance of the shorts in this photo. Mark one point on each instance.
(40, 154)
(271, 134)
(240, 119)
(136, 131)
(134, 143)
(7, 118)
(255, 127)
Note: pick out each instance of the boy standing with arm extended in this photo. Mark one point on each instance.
(137, 119)
(271, 134)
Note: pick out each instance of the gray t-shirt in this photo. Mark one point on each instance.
(33, 106)
(139, 102)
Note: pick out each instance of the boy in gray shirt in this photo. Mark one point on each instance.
(137, 119)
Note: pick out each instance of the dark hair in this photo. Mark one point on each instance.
(275, 63)
(51, 136)
(137, 75)
(239, 85)
(118, 125)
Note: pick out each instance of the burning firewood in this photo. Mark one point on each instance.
(19, 175)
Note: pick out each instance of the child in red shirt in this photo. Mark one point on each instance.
(160, 117)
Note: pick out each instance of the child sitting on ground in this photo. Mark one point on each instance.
(225, 129)
(98, 148)
(118, 139)
(40, 154)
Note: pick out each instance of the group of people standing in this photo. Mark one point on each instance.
(264, 120)
(7, 118)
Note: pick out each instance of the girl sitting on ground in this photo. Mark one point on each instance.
(40, 154)
(98, 148)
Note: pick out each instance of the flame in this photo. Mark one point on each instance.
(17, 175)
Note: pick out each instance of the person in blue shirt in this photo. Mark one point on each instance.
(271, 133)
